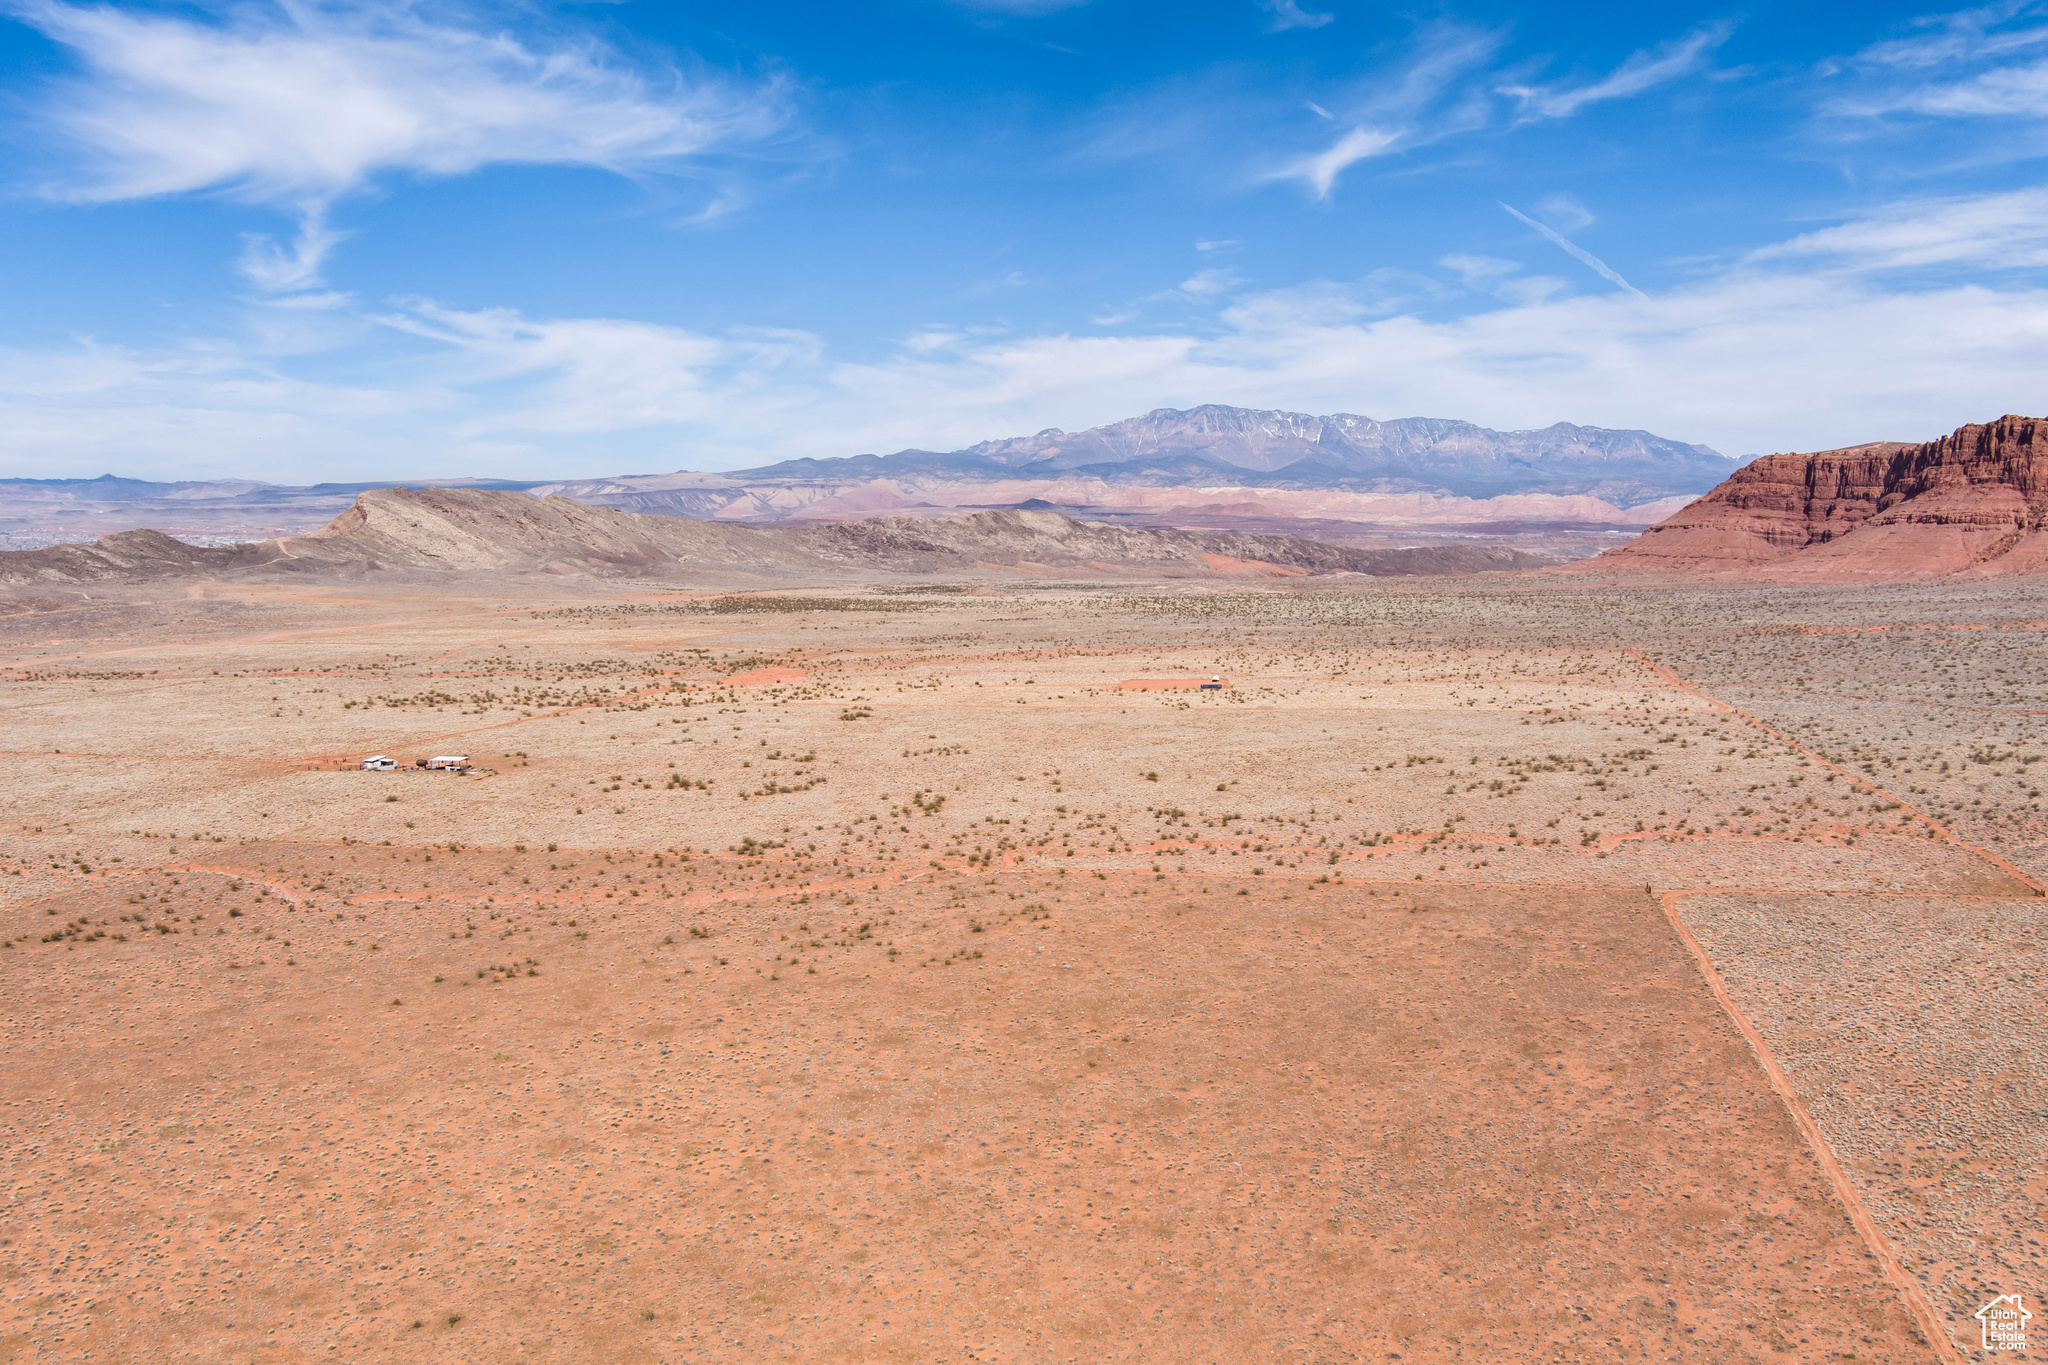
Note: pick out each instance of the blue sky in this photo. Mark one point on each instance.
(314, 241)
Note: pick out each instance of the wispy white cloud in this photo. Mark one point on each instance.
(1319, 170)
(929, 339)
(1289, 14)
(1383, 293)
(1208, 284)
(1576, 252)
(1201, 289)
(1807, 346)
(297, 105)
(593, 374)
(1432, 78)
(1986, 62)
(295, 268)
(1998, 232)
(1448, 85)
(1642, 71)
(1478, 270)
(1429, 95)
(1987, 33)
(997, 283)
(1564, 212)
(2007, 91)
(1215, 119)
(1503, 279)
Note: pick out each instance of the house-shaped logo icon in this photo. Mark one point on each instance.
(2004, 1322)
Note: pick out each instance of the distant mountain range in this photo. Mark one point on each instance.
(1210, 467)
(1220, 449)
(1215, 444)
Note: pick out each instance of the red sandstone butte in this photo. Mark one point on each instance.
(1973, 504)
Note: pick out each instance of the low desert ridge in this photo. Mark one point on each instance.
(947, 975)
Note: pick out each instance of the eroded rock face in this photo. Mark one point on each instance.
(1974, 503)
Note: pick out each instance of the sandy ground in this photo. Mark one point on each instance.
(909, 976)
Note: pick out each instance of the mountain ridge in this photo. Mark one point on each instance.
(1215, 443)
(1972, 504)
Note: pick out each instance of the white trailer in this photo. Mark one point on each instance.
(379, 763)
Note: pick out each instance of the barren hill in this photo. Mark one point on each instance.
(1971, 504)
(445, 530)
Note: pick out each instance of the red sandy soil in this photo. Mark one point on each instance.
(1349, 1121)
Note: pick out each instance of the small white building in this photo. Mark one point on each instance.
(447, 763)
(379, 763)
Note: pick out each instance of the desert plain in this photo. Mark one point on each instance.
(1504, 968)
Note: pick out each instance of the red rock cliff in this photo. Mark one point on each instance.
(1974, 503)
